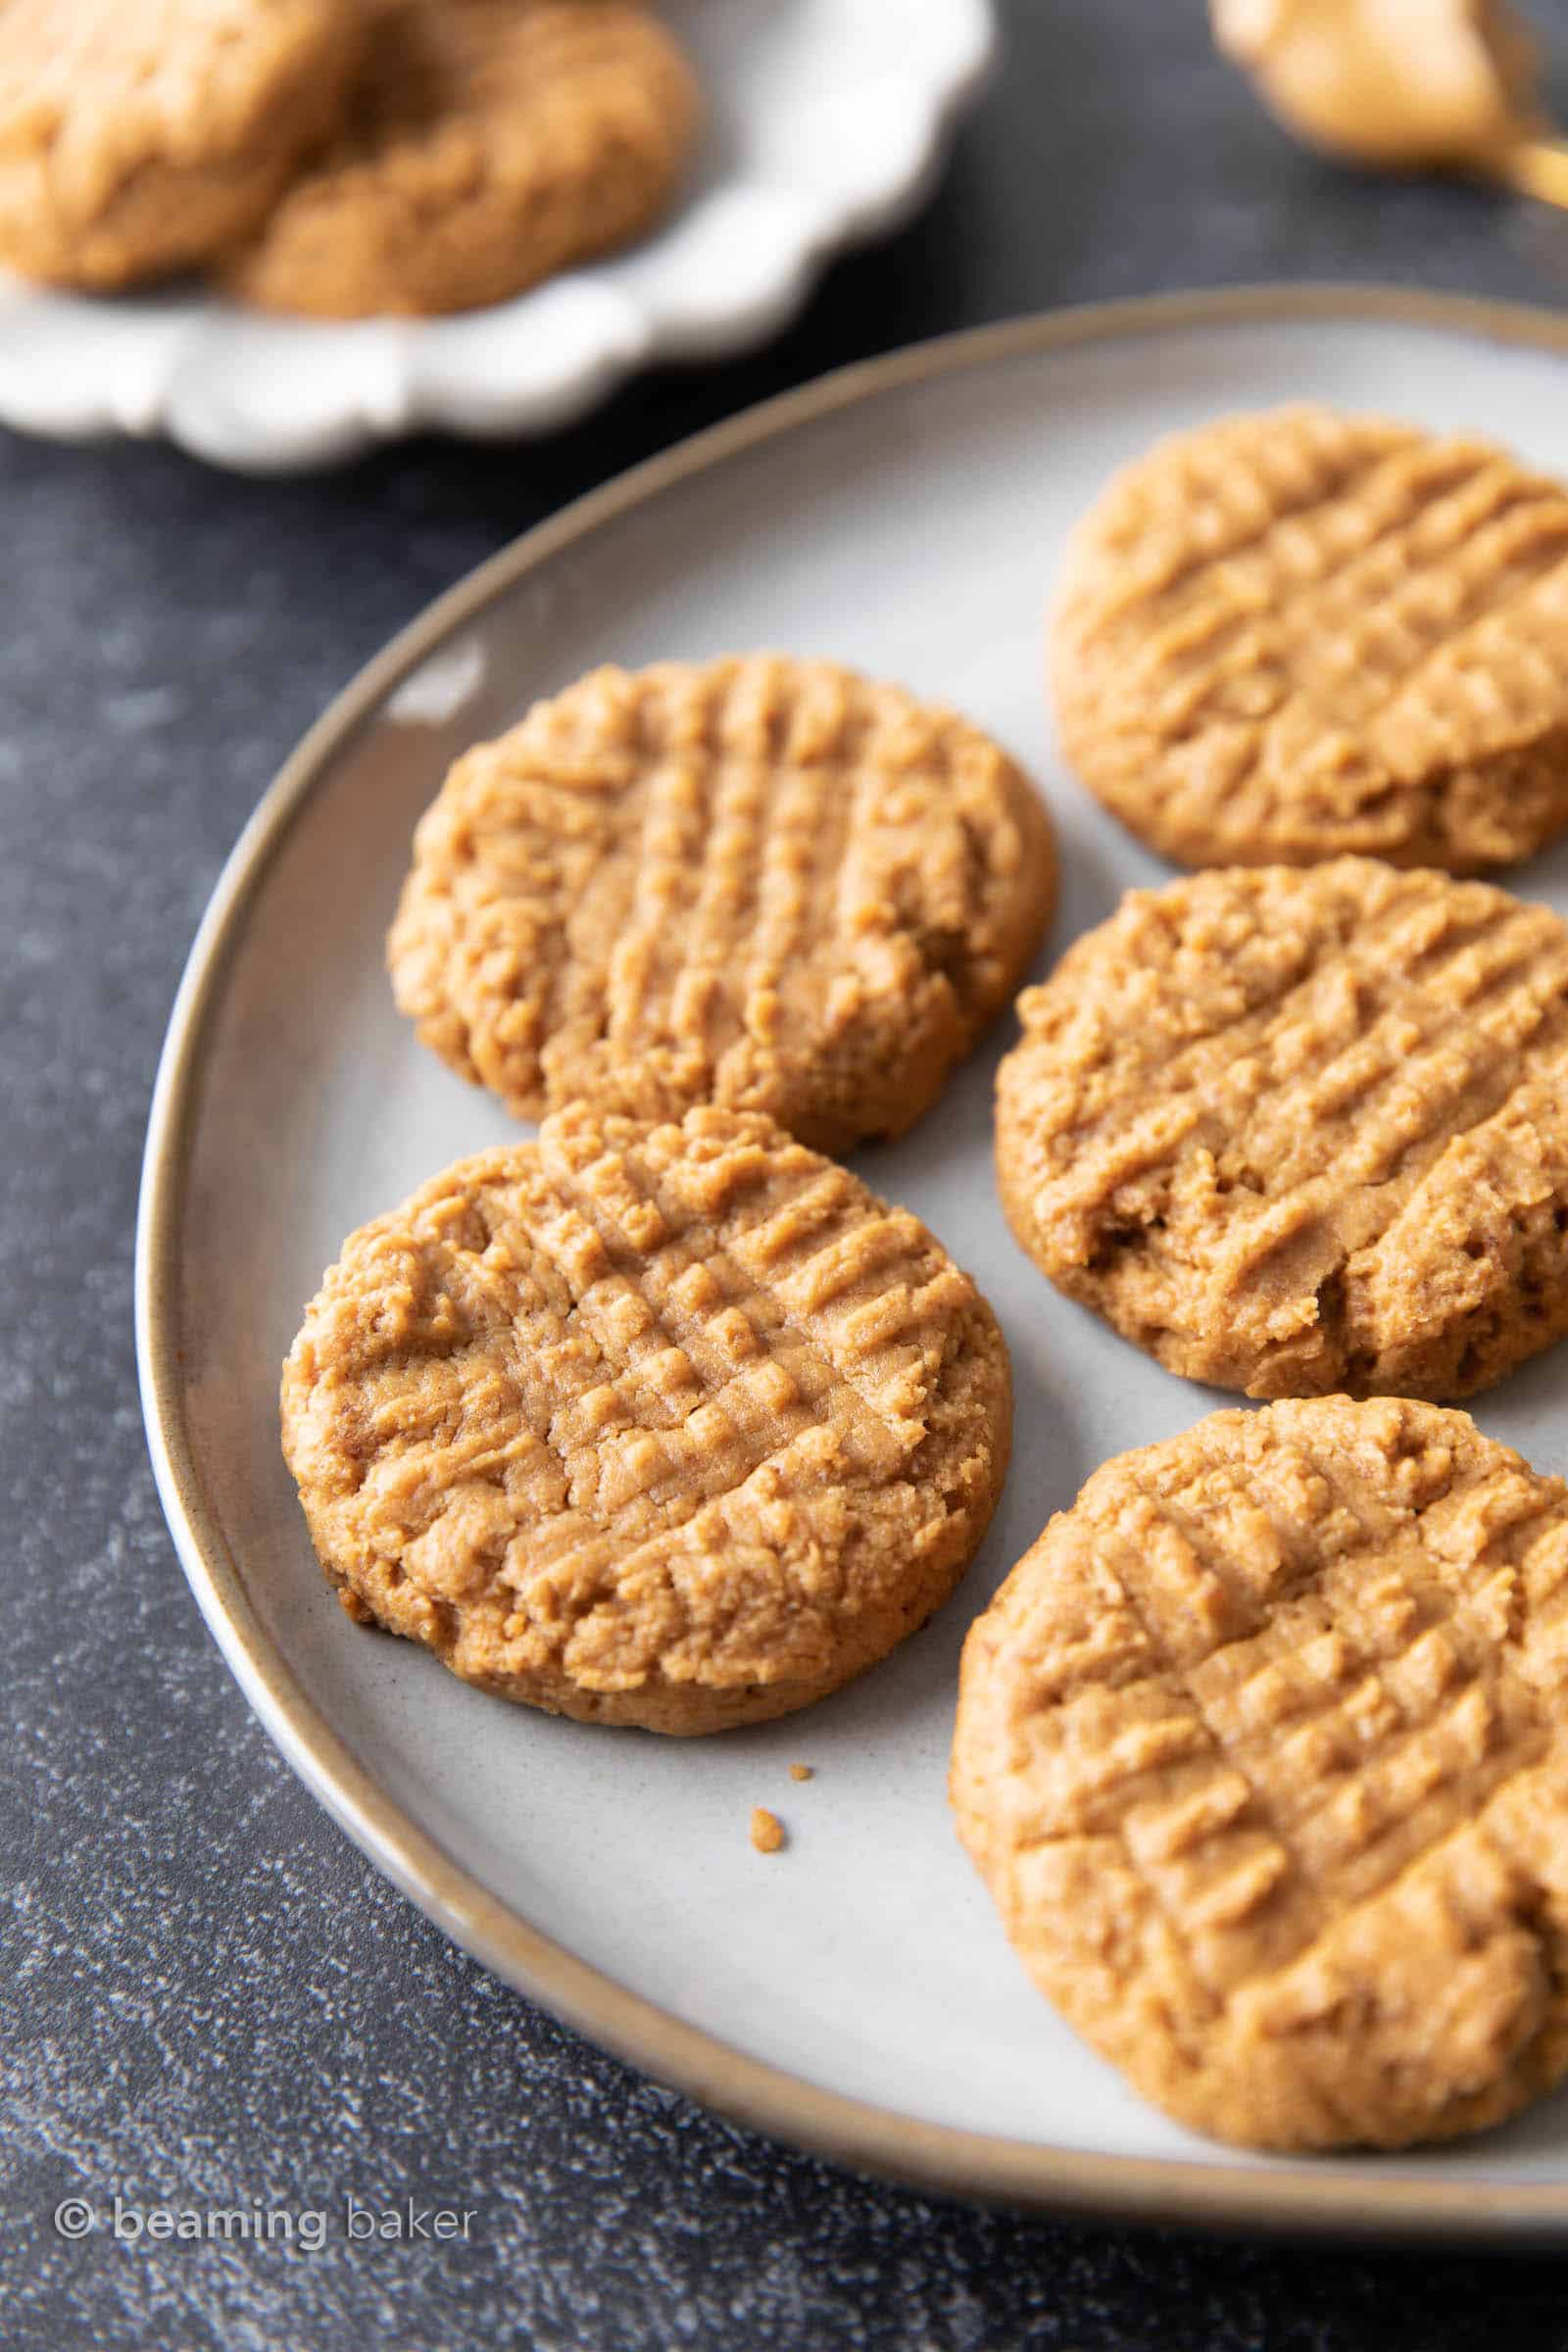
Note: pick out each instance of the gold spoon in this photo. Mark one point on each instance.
(1403, 84)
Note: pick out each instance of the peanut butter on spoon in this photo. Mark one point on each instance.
(1401, 84)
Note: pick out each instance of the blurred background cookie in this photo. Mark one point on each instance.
(141, 137)
(1293, 1131)
(1288, 636)
(487, 143)
(757, 881)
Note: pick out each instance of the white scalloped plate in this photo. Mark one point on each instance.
(856, 1992)
(826, 127)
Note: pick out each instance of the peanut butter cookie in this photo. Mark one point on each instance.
(140, 136)
(1294, 1131)
(487, 143)
(1262, 1752)
(675, 1426)
(758, 882)
(1294, 635)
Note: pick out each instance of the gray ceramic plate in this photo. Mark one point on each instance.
(855, 1993)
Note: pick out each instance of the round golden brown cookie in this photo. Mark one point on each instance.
(675, 1426)
(1262, 1752)
(487, 143)
(140, 136)
(1294, 635)
(758, 882)
(1295, 1131)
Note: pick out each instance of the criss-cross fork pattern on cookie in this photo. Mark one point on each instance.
(1292, 635)
(760, 882)
(1295, 1132)
(1261, 1752)
(648, 1423)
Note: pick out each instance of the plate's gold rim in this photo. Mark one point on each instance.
(931, 2156)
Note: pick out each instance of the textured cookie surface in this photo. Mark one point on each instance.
(140, 136)
(1264, 1753)
(675, 1426)
(758, 882)
(487, 143)
(1301, 1131)
(1294, 635)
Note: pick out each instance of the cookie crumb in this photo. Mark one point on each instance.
(767, 1830)
(799, 1772)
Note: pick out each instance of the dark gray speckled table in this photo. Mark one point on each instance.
(207, 1997)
